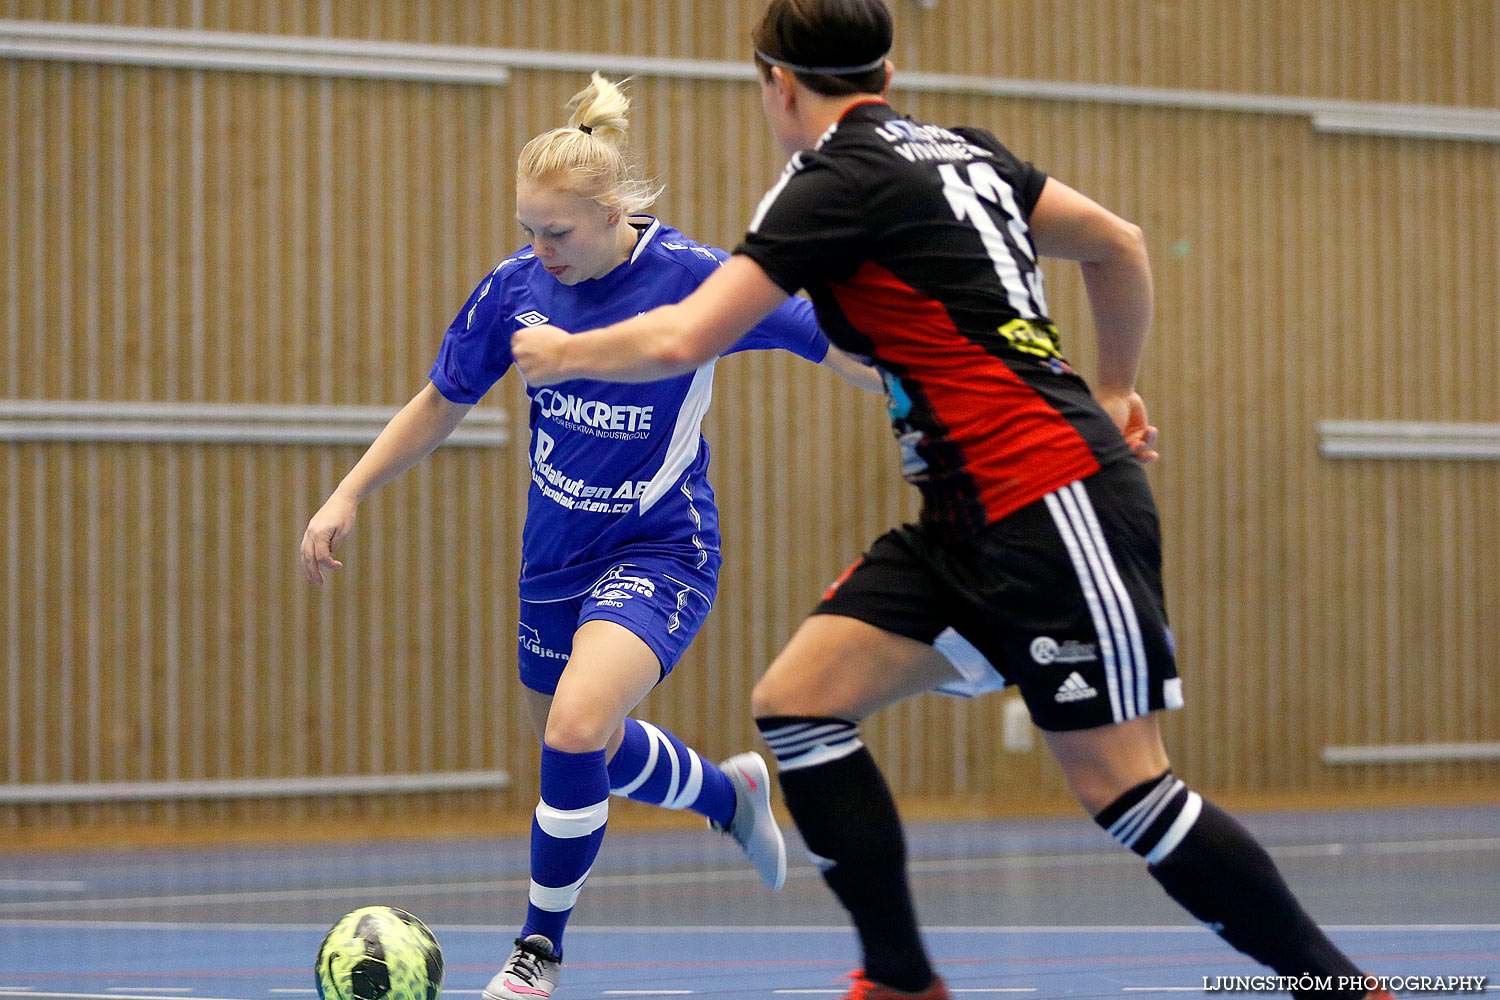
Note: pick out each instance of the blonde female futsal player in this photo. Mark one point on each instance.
(620, 550)
(1037, 555)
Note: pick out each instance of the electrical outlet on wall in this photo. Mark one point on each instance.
(1015, 727)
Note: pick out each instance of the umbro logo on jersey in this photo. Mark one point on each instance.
(1075, 688)
(532, 318)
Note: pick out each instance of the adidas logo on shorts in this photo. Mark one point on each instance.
(1075, 688)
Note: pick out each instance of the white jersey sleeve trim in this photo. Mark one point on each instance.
(683, 448)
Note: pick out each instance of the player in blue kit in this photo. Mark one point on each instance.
(620, 549)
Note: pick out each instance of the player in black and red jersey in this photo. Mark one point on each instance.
(1036, 561)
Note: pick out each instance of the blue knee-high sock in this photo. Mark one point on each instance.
(654, 766)
(565, 837)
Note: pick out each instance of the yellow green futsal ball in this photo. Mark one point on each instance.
(379, 953)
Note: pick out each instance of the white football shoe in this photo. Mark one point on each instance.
(753, 827)
(530, 974)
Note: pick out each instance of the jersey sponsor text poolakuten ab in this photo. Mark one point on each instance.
(576, 493)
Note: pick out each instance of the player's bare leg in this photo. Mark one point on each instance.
(591, 749)
(609, 671)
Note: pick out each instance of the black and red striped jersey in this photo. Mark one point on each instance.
(914, 244)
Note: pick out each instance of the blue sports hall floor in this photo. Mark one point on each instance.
(1029, 907)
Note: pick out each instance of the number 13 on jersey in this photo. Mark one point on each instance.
(1011, 250)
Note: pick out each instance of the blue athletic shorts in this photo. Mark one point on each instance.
(657, 599)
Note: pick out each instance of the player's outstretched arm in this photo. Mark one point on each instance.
(669, 340)
(854, 371)
(420, 426)
(1117, 277)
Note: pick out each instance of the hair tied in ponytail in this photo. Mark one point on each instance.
(598, 170)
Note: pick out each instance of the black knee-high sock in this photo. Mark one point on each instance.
(1216, 870)
(844, 810)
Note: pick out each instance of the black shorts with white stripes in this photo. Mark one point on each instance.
(1062, 598)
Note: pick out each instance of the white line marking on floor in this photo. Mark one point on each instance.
(798, 929)
(104, 996)
(41, 885)
(645, 880)
(966, 866)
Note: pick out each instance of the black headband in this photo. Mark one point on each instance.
(823, 70)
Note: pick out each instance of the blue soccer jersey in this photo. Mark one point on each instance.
(616, 469)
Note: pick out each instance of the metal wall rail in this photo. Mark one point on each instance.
(1408, 439)
(1411, 753)
(191, 49)
(1399, 439)
(253, 788)
(249, 53)
(220, 423)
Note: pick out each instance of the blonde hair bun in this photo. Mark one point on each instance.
(588, 155)
(603, 109)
